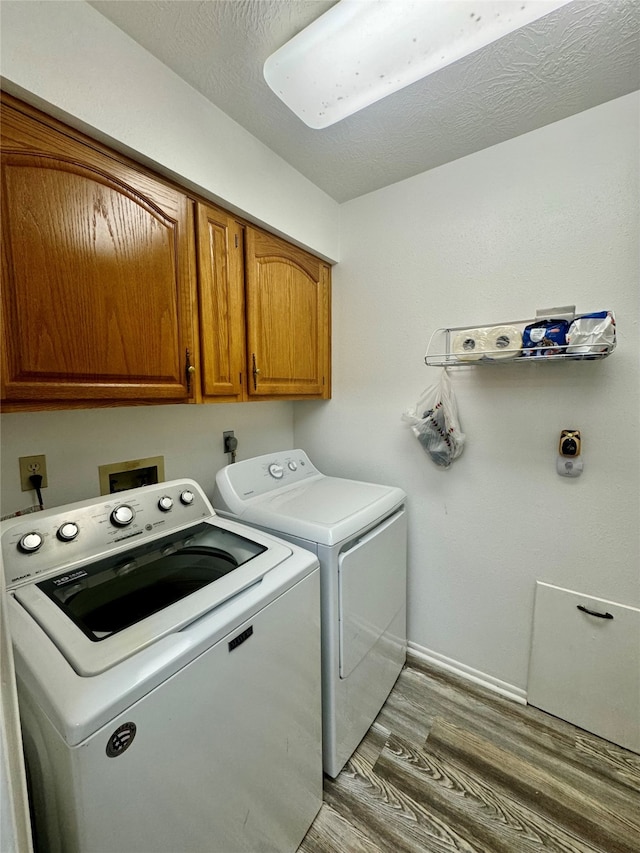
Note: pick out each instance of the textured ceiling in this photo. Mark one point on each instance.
(579, 56)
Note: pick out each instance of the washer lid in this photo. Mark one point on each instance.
(103, 612)
(325, 510)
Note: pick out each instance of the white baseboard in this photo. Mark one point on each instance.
(509, 691)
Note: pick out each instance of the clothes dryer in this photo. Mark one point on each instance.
(358, 532)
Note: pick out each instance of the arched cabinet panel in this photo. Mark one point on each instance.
(288, 319)
(97, 279)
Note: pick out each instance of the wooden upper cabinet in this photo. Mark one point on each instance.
(113, 292)
(221, 304)
(98, 273)
(288, 319)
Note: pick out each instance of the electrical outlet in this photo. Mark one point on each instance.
(230, 442)
(32, 465)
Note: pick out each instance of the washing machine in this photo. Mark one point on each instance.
(168, 670)
(358, 531)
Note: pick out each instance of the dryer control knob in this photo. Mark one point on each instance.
(165, 503)
(68, 532)
(276, 470)
(187, 497)
(30, 542)
(292, 466)
(122, 515)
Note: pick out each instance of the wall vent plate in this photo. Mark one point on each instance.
(121, 476)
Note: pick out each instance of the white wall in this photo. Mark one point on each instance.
(77, 65)
(188, 436)
(69, 60)
(549, 218)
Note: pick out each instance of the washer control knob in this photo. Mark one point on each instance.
(276, 470)
(165, 503)
(122, 515)
(187, 497)
(68, 531)
(292, 466)
(30, 542)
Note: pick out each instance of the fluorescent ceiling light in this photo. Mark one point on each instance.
(363, 50)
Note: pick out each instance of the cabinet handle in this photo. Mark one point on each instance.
(189, 370)
(256, 371)
(593, 612)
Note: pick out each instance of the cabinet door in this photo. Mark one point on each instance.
(585, 663)
(288, 319)
(221, 302)
(97, 266)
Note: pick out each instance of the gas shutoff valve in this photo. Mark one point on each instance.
(569, 462)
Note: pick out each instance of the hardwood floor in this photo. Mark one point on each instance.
(448, 766)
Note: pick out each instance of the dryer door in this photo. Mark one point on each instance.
(372, 578)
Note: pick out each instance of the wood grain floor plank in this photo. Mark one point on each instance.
(389, 816)
(330, 832)
(518, 781)
(618, 764)
(479, 812)
(373, 743)
(591, 819)
(556, 762)
(526, 728)
(404, 712)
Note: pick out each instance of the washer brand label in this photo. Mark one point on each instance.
(239, 640)
(72, 576)
(121, 739)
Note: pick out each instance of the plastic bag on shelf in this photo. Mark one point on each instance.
(435, 423)
(591, 334)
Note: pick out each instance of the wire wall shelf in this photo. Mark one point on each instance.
(554, 334)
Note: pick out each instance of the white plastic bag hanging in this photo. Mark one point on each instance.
(434, 421)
